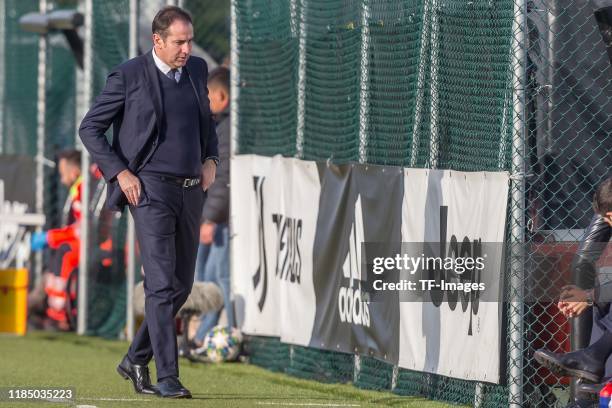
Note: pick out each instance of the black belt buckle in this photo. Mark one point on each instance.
(190, 182)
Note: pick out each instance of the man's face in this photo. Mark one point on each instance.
(175, 49)
(219, 99)
(69, 172)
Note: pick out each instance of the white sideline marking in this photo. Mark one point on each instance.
(308, 404)
(295, 404)
(113, 399)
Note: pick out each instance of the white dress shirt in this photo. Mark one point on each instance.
(165, 68)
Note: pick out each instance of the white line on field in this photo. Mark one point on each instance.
(296, 404)
(113, 399)
(307, 404)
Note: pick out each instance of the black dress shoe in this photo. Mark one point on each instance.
(171, 387)
(139, 375)
(575, 364)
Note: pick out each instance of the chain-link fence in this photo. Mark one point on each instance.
(464, 85)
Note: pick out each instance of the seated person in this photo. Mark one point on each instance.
(588, 364)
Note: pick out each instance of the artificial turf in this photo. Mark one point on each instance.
(87, 364)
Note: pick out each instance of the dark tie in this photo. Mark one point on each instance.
(172, 74)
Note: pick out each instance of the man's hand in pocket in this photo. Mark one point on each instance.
(130, 185)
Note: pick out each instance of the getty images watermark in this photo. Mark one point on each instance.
(432, 271)
(404, 262)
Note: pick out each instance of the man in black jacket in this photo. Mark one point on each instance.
(214, 230)
(588, 364)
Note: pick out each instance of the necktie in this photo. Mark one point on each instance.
(172, 74)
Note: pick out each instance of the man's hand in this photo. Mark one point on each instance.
(573, 300)
(130, 185)
(209, 170)
(207, 231)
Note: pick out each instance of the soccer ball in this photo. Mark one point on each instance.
(222, 344)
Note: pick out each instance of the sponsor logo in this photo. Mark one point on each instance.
(261, 274)
(288, 241)
(287, 246)
(467, 247)
(353, 303)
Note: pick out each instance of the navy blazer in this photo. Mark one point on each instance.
(131, 101)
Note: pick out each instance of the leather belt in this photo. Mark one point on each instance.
(180, 181)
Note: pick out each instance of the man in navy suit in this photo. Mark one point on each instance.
(162, 158)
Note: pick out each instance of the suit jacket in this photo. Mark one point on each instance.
(132, 102)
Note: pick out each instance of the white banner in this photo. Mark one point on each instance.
(457, 343)
(274, 213)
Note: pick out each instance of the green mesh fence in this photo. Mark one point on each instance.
(447, 85)
(59, 116)
(268, 85)
(211, 28)
(267, 352)
(394, 51)
(373, 374)
(20, 95)
(473, 84)
(332, 107)
(110, 38)
(19, 130)
(320, 365)
(107, 285)
(20, 62)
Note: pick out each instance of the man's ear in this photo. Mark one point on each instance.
(225, 98)
(157, 40)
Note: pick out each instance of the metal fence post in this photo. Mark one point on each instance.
(234, 79)
(41, 124)
(364, 94)
(418, 105)
(234, 119)
(82, 296)
(435, 47)
(131, 238)
(517, 238)
(364, 100)
(301, 85)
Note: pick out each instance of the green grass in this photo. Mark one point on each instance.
(87, 364)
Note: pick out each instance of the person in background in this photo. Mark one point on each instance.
(63, 241)
(588, 364)
(214, 230)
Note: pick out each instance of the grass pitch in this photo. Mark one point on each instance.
(87, 365)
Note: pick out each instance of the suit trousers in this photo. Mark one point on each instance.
(167, 222)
